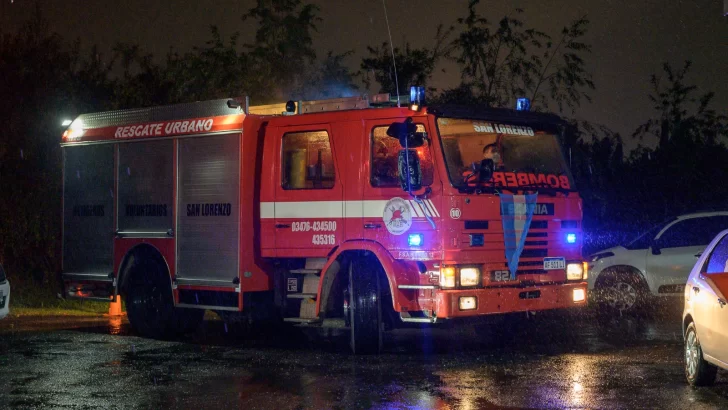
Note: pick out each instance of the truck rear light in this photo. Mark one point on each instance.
(579, 295)
(447, 277)
(468, 302)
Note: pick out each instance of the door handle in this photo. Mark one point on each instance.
(372, 226)
(283, 226)
(697, 255)
(696, 289)
(721, 302)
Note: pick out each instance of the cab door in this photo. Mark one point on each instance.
(390, 214)
(309, 206)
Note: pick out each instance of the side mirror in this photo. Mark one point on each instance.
(406, 133)
(2, 273)
(655, 247)
(485, 173)
(410, 174)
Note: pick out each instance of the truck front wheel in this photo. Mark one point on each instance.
(365, 308)
(149, 303)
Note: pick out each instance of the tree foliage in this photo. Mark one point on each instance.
(44, 78)
(415, 66)
(503, 61)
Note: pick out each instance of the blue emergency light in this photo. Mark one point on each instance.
(523, 104)
(571, 238)
(415, 239)
(417, 95)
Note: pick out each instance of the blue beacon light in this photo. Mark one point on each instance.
(415, 239)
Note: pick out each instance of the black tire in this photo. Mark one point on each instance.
(697, 370)
(365, 308)
(621, 292)
(149, 303)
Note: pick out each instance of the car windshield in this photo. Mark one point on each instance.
(522, 156)
(644, 240)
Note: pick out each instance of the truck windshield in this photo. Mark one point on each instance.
(522, 156)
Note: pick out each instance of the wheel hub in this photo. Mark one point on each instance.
(621, 296)
(691, 355)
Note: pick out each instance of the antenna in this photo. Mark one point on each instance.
(391, 46)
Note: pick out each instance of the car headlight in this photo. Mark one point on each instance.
(575, 271)
(447, 277)
(469, 276)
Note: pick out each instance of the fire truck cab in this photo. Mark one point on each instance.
(352, 213)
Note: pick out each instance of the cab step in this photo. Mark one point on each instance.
(302, 320)
(301, 296)
(306, 271)
(334, 323)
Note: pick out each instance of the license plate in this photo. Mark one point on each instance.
(500, 276)
(554, 263)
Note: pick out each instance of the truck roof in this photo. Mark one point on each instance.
(228, 115)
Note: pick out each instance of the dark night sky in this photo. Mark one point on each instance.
(630, 39)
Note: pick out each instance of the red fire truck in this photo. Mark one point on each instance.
(351, 213)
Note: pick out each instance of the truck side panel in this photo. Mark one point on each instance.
(208, 189)
(88, 209)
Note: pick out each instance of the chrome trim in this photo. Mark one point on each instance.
(185, 305)
(101, 277)
(205, 282)
(432, 287)
(419, 319)
(91, 298)
(142, 139)
(135, 234)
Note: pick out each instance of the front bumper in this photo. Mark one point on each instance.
(507, 300)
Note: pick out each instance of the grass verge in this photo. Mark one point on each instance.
(28, 298)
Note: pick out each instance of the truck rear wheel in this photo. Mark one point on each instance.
(149, 303)
(365, 308)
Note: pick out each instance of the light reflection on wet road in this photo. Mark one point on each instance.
(562, 361)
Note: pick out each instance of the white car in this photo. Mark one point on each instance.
(4, 294)
(657, 263)
(705, 318)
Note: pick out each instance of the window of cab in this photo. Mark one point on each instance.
(384, 172)
(307, 161)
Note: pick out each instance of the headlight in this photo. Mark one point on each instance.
(575, 271)
(447, 277)
(469, 276)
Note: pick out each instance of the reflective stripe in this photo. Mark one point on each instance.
(338, 209)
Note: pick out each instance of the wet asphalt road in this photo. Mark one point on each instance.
(562, 361)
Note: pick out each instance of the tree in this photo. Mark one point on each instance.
(331, 79)
(680, 173)
(681, 117)
(503, 62)
(283, 48)
(414, 65)
(42, 80)
(215, 70)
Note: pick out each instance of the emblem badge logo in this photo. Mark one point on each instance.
(397, 216)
